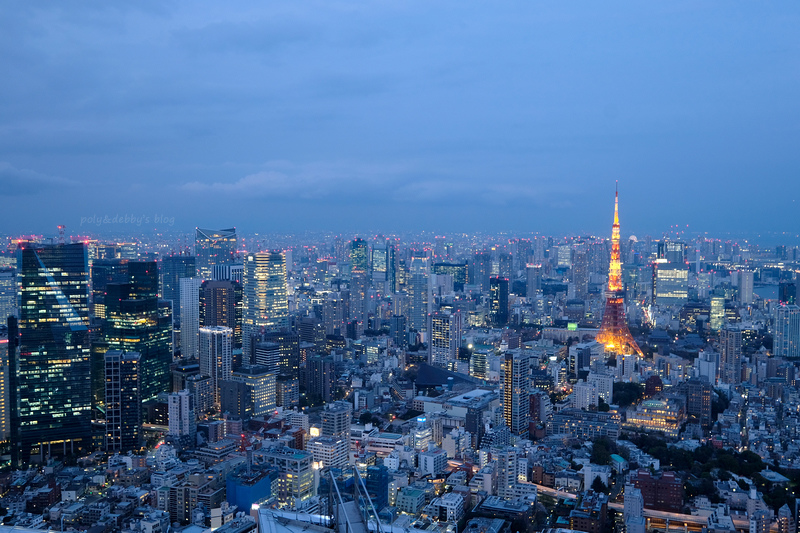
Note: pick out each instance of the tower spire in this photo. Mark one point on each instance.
(614, 332)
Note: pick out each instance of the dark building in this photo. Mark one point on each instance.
(698, 401)
(136, 320)
(182, 370)
(359, 255)
(221, 305)
(398, 331)
(662, 492)
(481, 270)
(103, 272)
(498, 302)
(320, 381)
(787, 293)
(377, 483)
(123, 401)
(652, 386)
(173, 268)
(289, 349)
(457, 270)
(236, 398)
(312, 331)
(590, 513)
(51, 396)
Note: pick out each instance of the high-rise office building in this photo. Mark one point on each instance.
(173, 269)
(289, 351)
(359, 255)
(123, 401)
(746, 286)
(190, 316)
(418, 289)
(398, 331)
(498, 302)
(214, 247)
(459, 271)
(260, 383)
(515, 390)
(103, 272)
(786, 340)
(672, 252)
(215, 356)
(8, 293)
(670, 283)
(50, 358)
(221, 304)
(136, 320)
(730, 341)
(266, 303)
(481, 270)
(534, 280)
(580, 274)
(445, 332)
(380, 263)
(359, 296)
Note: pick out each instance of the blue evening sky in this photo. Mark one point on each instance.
(401, 115)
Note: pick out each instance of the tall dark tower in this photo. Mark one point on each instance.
(51, 390)
(614, 332)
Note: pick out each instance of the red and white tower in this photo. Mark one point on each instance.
(614, 332)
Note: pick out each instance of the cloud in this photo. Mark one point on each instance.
(308, 181)
(22, 182)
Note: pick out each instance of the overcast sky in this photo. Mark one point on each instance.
(401, 115)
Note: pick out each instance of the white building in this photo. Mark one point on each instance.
(329, 451)
(584, 395)
(190, 316)
(181, 415)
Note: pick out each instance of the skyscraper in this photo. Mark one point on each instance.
(103, 272)
(266, 303)
(214, 247)
(123, 401)
(614, 331)
(515, 390)
(136, 320)
(787, 332)
(418, 288)
(481, 270)
(8, 293)
(746, 286)
(445, 331)
(359, 255)
(51, 404)
(730, 341)
(190, 315)
(498, 302)
(215, 355)
(534, 279)
(173, 269)
(221, 305)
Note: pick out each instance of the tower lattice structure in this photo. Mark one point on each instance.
(614, 332)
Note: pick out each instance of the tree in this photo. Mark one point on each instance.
(599, 486)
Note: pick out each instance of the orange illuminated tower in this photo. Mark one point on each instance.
(614, 332)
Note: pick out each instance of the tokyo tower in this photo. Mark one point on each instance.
(614, 332)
